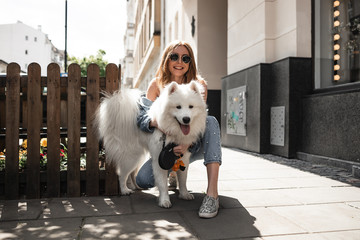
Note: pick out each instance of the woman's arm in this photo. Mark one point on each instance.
(143, 120)
(205, 91)
(153, 90)
(152, 94)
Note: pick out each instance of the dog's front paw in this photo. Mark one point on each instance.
(165, 203)
(126, 191)
(186, 196)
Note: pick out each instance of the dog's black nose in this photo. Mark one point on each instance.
(186, 120)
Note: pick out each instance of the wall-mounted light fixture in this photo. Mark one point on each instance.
(336, 40)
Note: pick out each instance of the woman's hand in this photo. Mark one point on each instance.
(181, 149)
(153, 123)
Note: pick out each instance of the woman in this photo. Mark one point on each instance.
(178, 64)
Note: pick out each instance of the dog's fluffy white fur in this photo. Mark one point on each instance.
(180, 111)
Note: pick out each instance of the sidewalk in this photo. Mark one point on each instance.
(260, 199)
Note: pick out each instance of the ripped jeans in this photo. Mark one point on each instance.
(207, 148)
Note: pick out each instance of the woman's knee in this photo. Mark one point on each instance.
(145, 176)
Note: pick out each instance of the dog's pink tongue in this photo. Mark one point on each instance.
(185, 129)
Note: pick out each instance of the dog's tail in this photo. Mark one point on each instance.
(116, 116)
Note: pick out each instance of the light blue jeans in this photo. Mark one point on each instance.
(207, 148)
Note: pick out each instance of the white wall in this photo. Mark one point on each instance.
(264, 31)
(13, 45)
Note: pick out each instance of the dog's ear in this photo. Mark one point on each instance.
(195, 87)
(172, 87)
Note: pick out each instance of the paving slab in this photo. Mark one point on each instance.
(137, 226)
(146, 202)
(315, 181)
(323, 194)
(252, 184)
(354, 204)
(21, 209)
(256, 198)
(242, 223)
(304, 236)
(65, 228)
(341, 235)
(85, 206)
(322, 217)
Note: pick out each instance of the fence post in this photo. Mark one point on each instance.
(92, 144)
(74, 111)
(111, 180)
(53, 130)
(12, 131)
(33, 131)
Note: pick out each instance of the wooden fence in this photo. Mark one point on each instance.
(65, 110)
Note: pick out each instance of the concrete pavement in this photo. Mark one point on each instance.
(260, 199)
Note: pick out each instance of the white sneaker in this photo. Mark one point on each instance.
(209, 207)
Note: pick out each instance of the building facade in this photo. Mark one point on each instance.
(283, 75)
(292, 86)
(3, 66)
(127, 62)
(159, 22)
(23, 44)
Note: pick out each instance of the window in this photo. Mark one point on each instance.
(26, 52)
(337, 42)
(35, 39)
(26, 37)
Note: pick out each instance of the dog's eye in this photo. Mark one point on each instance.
(178, 107)
(191, 106)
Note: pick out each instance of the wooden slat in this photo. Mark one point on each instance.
(53, 130)
(12, 131)
(74, 100)
(23, 113)
(34, 125)
(2, 114)
(111, 72)
(64, 106)
(23, 109)
(118, 80)
(111, 181)
(92, 145)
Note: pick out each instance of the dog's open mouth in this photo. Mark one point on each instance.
(184, 128)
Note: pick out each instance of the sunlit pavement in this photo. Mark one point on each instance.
(259, 199)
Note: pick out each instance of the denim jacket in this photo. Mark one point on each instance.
(143, 122)
(143, 119)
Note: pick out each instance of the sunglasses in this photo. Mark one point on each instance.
(185, 58)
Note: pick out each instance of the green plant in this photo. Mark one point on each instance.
(86, 61)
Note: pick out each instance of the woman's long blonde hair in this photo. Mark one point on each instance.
(163, 72)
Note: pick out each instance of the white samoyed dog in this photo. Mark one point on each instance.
(180, 112)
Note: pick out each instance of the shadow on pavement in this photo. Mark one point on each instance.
(122, 217)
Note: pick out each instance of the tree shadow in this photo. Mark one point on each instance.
(131, 217)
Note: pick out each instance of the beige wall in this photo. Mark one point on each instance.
(264, 31)
(212, 41)
(177, 22)
(189, 9)
(209, 41)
